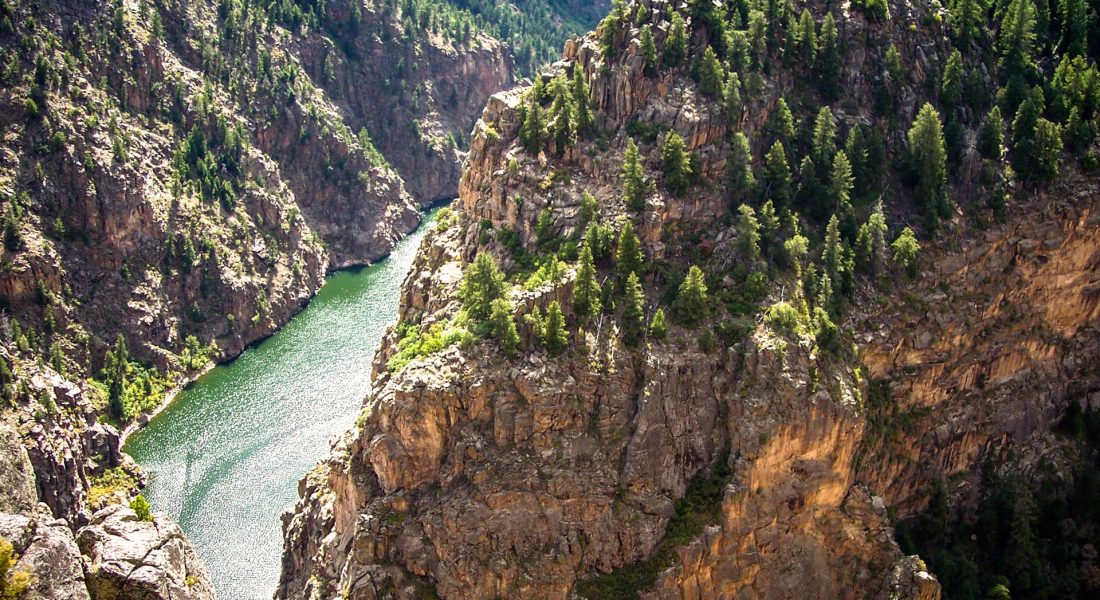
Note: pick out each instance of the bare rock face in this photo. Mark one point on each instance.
(130, 559)
(48, 552)
(17, 495)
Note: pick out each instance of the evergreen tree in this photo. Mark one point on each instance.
(657, 327)
(562, 127)
(1025, 148)
(586, 290)
(532, 130)
(769, 226)
(952, 88)
(807, 38)
(809, 192)
(633, 311)
(731, 99)
(502, 325)
(929, 156)
(633, 178)
(781, 122)
(590, 210)
(1079, 133)
(649, 50)
(758, 40)
(13, 231)
(116, 371)
(828, 59)
(824, 138)
(1016, 37)
(628, 257)
(967, 19)
(676, 44)
(676, 163)
(739, 164)
(871, 243)
(832, 255)
(1075, 24)
(991, 135)
(482, 283)
(777, 175)
(584, 121)
(691, 301)
(1048, 145)
(711, 73)
(841, 182)
(748, 232)
(905, 249)
(554, 336)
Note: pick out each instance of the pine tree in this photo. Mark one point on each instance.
(583, 120)
(906, 248)
(777, 175)
(657, 328)
(562, 127)
(731, 99)
(676, 163)
(554, 336)
(711, 73)
(991, 135)
(590, 210)
(832, 256)
(691, 300)
(739, 166)
(840, 190)
(952, 88)
(1048, 145)
(929, 156)
(966, 18)
(1075, 25)
(532, 131)
(116, 370)
(649, 50)
(807, 38)
(781, 122)
(1016, 38)
(829, 59)
(482, 283)
(1025, 150)
(748, 231)
(13, 231)
(824, 138)
(769, 226)
(502, 325)
(586, 290)
(676, 44)
(633, 311)
(871, 242)
(628, 257)
(633, 178)
(758, 40)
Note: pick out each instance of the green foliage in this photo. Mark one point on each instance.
(194, 355)
(711, 74)
(777, 175)
(590, 210)
(633, 321)
(554, 336)
(951, 89)
(502, 325)
(413, 344)
(871, 243)
(829, 64)
(141, 508)
(991, 135)
(649, 50)
(583, 119)
(676, 43)
(481, 284)
(906, 248)
(875, 10)
(628, 256)
(212, 163)
(731, 99)
(676, 163)
(739, 166)
(967, 20)
(691, 301)
(781, 122)
(634, 188)
(586, 290)
(131, 388)
(13, 228)
(1017, 37)
(824, 138)
(748, 232)
(929, 163)
(657, 328)
(110, 483)
(1036, 142)
(532, 131)
(786, 320)
(13, 584)
(826, 333)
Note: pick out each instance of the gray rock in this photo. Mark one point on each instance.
(17, 495)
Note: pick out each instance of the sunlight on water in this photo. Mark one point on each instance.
(225, 458)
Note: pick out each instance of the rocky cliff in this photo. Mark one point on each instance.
(180, 176)
(742, 450)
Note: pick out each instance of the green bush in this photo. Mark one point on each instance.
(141, 508)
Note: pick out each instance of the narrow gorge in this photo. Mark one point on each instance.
(737, 299)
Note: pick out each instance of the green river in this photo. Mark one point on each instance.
(225, 458)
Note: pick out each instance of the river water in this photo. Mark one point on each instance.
(225, 458)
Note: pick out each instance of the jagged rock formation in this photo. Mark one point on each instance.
(759, 469)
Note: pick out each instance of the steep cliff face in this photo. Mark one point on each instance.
(671, 469)
(180, 176)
